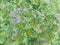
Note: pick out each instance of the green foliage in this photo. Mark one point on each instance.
(29, 22)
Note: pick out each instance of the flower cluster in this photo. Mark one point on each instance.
(15, 15)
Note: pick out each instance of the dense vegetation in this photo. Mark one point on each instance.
(29, 22)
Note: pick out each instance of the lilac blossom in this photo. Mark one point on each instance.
(15, 15)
